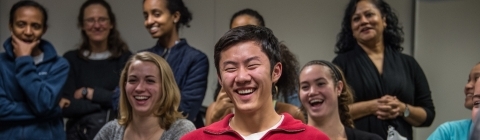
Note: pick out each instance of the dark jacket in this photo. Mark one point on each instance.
(29, 94)
(190, 68)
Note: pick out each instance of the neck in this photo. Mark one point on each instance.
(97, 47)
(257, 121)
(330, 125)
(374, 46)
(145, 127)
(168, 40)
(36, 51)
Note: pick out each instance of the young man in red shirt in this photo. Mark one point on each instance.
(247, 60)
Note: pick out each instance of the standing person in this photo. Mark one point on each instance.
(325, 96)
(391, 90)
(31, 78)
(457, 129)
(247, 60)
(163, 18)
(95, 71)
(149, 101)
(285, 87)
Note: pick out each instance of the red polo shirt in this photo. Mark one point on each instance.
(289, 129)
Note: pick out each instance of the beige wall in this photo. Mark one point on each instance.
(446, 35)
(447, 46)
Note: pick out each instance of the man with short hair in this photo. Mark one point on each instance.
(247, 60)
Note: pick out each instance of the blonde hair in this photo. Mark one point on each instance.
(166, 109)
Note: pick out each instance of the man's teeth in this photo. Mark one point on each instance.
(245, 91)
(141, 97)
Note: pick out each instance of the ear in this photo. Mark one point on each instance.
(219, 80)
(384, 19)
(176, 17)
(339, 87)
(276, 72)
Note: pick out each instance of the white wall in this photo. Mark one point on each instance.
(447, 46)
(446, 35)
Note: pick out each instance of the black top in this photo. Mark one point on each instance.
(402, 77)
(354, 134)
(101, 75)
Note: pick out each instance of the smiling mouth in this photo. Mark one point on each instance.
(316, 102)
(153, 29)
(245, 91)
(141, 98)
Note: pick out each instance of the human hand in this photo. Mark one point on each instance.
(64, 102)
(22, 48)
(78, 93)
(222, 106)
(389, 107)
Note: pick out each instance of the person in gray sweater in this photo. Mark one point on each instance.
(149, 103)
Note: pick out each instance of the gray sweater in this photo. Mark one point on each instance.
(114, 131)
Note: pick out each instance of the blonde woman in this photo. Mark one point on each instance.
(149, 101)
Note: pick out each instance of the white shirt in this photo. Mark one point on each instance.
(259, 135)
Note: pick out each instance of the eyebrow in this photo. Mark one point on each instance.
(316, 80)
(476, 96)
(246, 61)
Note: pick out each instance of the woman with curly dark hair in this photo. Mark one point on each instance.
(391, 90)
(325, 96)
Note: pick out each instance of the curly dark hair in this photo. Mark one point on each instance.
(392, 35)
(289, 79)
(116, 45)
(346, 95)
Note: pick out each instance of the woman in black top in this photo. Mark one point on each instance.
(95, 69)
(325, 96)
(391, 90)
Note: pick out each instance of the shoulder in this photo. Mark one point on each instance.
(110, 129)
(457, 124)
(361, 135)
(183, 124)
(192, 51)
(70, 55)
(343, 58)
(194, 135)
(178, 129)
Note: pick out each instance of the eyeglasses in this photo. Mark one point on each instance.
(91, 21)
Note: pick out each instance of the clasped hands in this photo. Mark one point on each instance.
(388, 107)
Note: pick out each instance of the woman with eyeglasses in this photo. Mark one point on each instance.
(95, 71)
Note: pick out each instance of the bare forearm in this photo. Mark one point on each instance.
(362, 109)
(417, 115)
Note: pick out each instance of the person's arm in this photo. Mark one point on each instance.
(422, 112)
(362, 109)
(42, 95)
(77, 107)
(13, 111)
(193, 92)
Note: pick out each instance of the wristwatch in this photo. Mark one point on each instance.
(406, 113)
(84, 92)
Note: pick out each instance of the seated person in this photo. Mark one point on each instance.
(247, 60)
(285, 88)
(460, 129)
(325, 96)
(149, 100)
